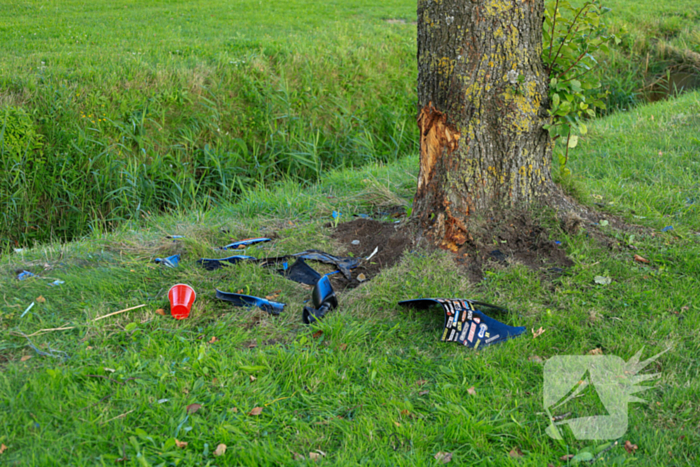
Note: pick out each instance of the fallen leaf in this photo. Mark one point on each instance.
(160, 311)
(252, 345)
(241, 291)
(314, 456)
(298, 457)
(423, 393)
(111, 370)
(25, 358)
(630, 448)
(471, 391)
(361, 278)
(397, 424)
(213, 339)
(443, 457)
(192, 408)
(317, 334)
(641, 259)
(515, 452)
(252, 378)
(180, 444)
(220, 450)
(421, 382)
(343, 346)
(273, 295)
(3, 448)
(602, 280)
(535, 359)
(685, 308)
(233, 409)
(40, 299)
(566, 457)
(405, 412)
(256, 411)
(538, 333)
(596, 351)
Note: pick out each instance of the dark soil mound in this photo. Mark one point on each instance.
(360, 237)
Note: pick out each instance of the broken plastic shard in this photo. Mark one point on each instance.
(274, 308)
(170, 261)
(355, 242)
(244, 243)
(300, 272)
(211, 264)
(56, 283)
(324, 300)
(667, 228)
(466, 324)
(24, 275)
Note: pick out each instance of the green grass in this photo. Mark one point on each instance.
(357, 392)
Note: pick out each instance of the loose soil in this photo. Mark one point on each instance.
(518, 239)
(392, 239)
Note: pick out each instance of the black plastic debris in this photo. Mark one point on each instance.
(498, 255)
(274, 308)
(344, 265)
(300, 272)
(324, 300)
(170, 261)
(244, 243)
(211, 264)
(465, 324)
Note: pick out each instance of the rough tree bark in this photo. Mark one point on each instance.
(482, 93)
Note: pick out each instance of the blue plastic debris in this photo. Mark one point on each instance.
(274, 308)
(667, 228)
(27, 310)
(24, 275)
(56, 283)
(244, 243)
(557, 242)
(170, 261)
(175, 237)
(211, 264)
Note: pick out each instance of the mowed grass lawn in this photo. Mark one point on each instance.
(375, 386)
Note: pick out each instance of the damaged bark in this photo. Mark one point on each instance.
(482, 94)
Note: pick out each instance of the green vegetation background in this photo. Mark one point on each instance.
(301, 88)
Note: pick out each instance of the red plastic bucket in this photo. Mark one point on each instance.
(181, 297)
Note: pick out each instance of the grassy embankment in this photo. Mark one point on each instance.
(377, 386)
(113, 111)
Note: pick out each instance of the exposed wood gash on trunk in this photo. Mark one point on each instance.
(482, 91)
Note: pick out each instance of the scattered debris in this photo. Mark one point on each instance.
(355, 242)
(242, 244)
(170, 261)
(22, 275)
(274, 308)
(443, 457)
(27, 310)
(192, 408)
(56, 283)
(211, 264)
(181, 444)
(40, 299)
(181, 297)
(324, 300)
(175, 237)
(361, 277)
(53, 353)
(602, 280)
(629, 447)
(160, 311)
(467, 325)
(256, 411)
(376, 249)
(596, 351)
(3, 448)
(300, 272)
(515, 452)
(535, 359)
(667, 228)
(471, 391)
(538, 333)
(119, 312)
(641, 259)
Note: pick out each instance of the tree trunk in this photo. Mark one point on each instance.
(482, 94)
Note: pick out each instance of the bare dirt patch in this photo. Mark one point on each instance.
(360, 237)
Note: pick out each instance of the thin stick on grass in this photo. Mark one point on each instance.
(120, 311)
(118, 416)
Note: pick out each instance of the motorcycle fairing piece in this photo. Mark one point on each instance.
(324, 300)
(244, 243)
(274, 308)
(212, 264)
(170, 261)
(344, 265)
(465, 324)
(300, 272)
